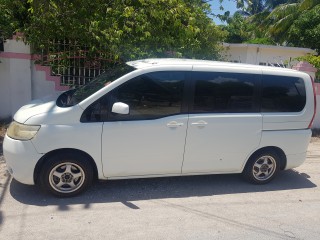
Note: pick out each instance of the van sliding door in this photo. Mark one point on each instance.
(225, 122)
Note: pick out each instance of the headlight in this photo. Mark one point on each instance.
(22, 132)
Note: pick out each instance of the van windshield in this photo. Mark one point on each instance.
(75, 96)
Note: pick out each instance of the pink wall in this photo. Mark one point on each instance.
(317, 85)
(20, 80)
(46, 69)
(49, 77)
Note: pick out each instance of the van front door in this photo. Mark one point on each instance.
(224, 124)
(150, 139)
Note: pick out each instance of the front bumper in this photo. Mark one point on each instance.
(21, 158)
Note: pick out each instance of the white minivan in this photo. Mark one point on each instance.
(164, 117)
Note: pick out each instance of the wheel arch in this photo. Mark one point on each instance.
(277, 150)
(42, 160)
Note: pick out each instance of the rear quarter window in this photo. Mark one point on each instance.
(282, 94)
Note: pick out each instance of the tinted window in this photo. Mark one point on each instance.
(283, 94)
(225, 92)
(149, 96)
(74, 96)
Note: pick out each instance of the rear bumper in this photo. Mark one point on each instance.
(295, 160)
(21, 158)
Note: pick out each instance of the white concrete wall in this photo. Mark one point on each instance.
(20, 83)
(16, 46)
(15, 77)
(233, 54)
(20, 80)
(5, 96)
(256, 53)
(40, 87)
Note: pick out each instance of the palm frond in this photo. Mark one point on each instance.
(283, 10)
(259, 17)
(281, 27)
(308, 4)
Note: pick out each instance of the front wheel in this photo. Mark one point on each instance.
(262, 167)
(66, 175)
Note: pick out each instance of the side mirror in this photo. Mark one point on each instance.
(120, 108)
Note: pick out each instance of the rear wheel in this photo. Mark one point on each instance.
(66, 174)
(262, 167)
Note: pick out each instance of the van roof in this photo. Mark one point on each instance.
(146, 63)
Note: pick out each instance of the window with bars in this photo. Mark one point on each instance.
(74, 63)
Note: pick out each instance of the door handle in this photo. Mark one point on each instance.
(200, 123)
(174, 124)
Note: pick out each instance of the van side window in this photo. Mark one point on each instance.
(225, 92)
(96, 112)
(149, 96)
(282, 94)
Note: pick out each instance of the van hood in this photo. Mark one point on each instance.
(33, 108)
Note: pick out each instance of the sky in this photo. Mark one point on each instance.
(228, 5)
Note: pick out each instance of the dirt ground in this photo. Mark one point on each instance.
(3, 172)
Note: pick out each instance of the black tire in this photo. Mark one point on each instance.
(262, 167)
(66, 174)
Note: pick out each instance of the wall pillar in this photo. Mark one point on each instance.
(21, 80)
(307, 68)
(15, 77)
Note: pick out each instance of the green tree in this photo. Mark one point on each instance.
(251, 27)
(280, 20)
(253, 7)
(289, 22)
(238, 28)
(13, 15)
(243, 29)
(305, 30)
(129, 28)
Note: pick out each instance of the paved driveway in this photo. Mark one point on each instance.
(200, 207)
